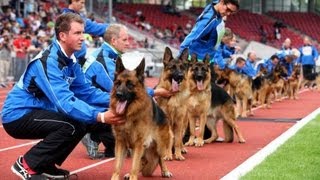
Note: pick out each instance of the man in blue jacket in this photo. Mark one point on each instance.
(99, 69)
(90, 27)
(271, 63)
(205, 37)
(308, 57)
(54, 102)
(250, 67)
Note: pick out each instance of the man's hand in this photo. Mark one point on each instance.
(162, 92)
(110, 118)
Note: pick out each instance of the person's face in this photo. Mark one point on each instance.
(78, 5)
(253, 57)
(121, 44)
(227, 9)
(287, 43)
(241, 64)
(72, 40)
(275, 61)
(306, 41)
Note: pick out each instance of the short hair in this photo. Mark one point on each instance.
(113, 32)
(233, 2)
(250, 53)
(63, 22)
(274, 57)
(239, 59)
(228, 33)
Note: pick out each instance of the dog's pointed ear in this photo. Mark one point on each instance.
(140, 70)
(167, 55)
(119, 66)
(194, 58)
(184, 55)
(207, 59)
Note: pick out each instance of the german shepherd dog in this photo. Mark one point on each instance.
(222, 107)
(174, 78)
(199, 78)
(293, 82)
(241, 87)
(257, 84)
(269, 85)
(146, 130)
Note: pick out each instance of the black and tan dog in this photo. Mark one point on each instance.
(293, 82)
(241, 88)
(270, 84)
(146, 130)
(174, 78)
(222, 107)
(199, 78)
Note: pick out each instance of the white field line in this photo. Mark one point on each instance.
(257, 158)
(19, 146)
(91, 166)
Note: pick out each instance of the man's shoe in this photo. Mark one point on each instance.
(92, 147)
(19, 170)
(56, 173)
(109, 153)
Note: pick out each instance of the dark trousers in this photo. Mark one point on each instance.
(103, 134)
(60, 135)
(309, 72)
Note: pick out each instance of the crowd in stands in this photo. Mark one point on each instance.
(26, 27)
(162, 22)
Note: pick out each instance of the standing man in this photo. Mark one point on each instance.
(308, 57)
(206, 35)
(5, 59)
(54, 102)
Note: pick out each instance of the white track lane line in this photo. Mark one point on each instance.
(91, 166)
(258, 157)
(19, 146)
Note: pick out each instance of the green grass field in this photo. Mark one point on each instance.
(298, 158)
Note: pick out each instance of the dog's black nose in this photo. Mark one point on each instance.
(199, 77)
(120, 95)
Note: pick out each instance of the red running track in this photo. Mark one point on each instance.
(212, 161)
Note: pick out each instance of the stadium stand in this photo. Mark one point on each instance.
(307, 23)
(246, 25)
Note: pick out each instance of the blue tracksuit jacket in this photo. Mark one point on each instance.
(249, 69)
(205, 36)
(54, 82)
(222, 54)
(100, 67)
(308, 54)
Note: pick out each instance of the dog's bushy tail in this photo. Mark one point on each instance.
(228, 132)
(149, 161)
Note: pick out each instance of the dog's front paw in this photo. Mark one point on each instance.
(189, 143)
(179, 157)
(115, 176)
(168, 157)
(199, 142)
(166, 174)
(184, 151)
(126, 176)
